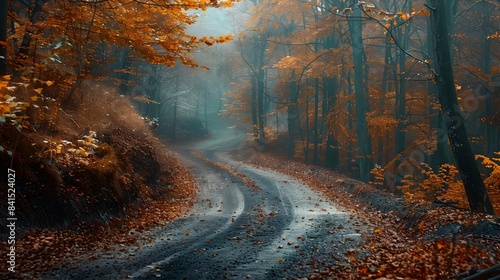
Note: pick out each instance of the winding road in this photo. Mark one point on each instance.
(280, 229)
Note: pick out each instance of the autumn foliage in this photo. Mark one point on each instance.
(69, 127)
(310, 88)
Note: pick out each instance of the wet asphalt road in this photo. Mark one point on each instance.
(281, 231)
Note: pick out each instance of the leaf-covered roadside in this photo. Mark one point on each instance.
(410, 241)
(124, 182)
(41, 250)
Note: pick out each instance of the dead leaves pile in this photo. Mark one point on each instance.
(397, 248)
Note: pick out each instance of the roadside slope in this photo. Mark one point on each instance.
(409, 240)
(98, 172)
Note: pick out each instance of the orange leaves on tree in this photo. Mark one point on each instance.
(492, 181)
(424, 12)
(495, 35)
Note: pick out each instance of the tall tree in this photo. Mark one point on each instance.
(457, 134)
(490, 133)
(355, 28)
(292, 114)
(3, 37)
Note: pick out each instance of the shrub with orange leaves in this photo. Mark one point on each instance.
(492, 180)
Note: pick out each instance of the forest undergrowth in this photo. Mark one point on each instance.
(410, 240)
(104, 173)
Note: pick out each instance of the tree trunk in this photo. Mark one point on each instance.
(330, 90)
(255, 121)
(3, 37)
(292, 115)
(125, 76)
(384, 89)
(260, 75)
(355, 26)
(457, 134)
(490, 133)
(26, 42)
(440, 156)
(316, 121)
(400, 87)
(260, 105)
(350, 113)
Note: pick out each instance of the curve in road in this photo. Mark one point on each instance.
(281, 230)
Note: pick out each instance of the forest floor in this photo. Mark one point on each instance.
(410, 241)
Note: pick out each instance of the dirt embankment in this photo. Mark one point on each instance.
(97, 170)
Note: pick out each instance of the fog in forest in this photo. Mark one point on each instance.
(353, 86)
(269, 127)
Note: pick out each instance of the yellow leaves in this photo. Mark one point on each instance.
(379, 125)
(421, 225)
(3, 84)
(424, 12)
(4, 109)
(403, 16)
(493, 178)
(10, 108)
(495, 35)
(211, 41)
(378, 230)
(144, 99)
(290, 62)
(39, 90)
